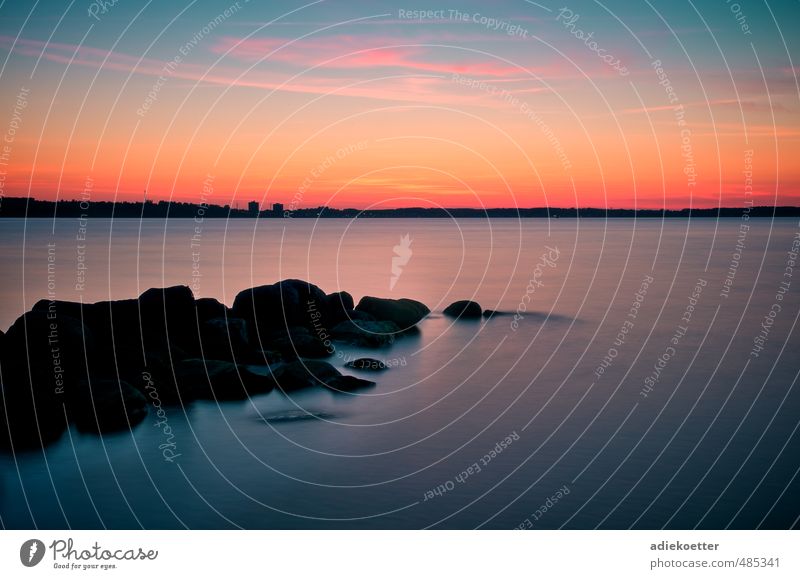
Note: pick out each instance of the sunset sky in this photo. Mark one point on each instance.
(369, 104)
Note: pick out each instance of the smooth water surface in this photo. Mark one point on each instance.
(707, 437)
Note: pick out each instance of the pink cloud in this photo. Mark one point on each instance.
(355, 52)
(419, 89)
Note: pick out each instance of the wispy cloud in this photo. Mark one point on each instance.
(421, 86)
(360, 51)
(735, 103)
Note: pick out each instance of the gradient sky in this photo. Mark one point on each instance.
(356, 104)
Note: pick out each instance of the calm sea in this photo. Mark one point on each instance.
(627, 393)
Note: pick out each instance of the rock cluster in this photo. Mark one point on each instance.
(89, 364)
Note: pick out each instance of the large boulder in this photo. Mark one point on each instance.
(120, 345)
(209, 309)
(161, 320)
(339, 307)
(102, 406)
(43, 359)
(284, 304)
(48, 350)
(365, 334)
(225, 339)
(404, 312)
(464, 309)
(116, 325)
(169, 315)
(148, 334)
(76, 310)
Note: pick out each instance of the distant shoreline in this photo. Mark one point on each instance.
(33, 208)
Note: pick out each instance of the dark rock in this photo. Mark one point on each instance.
(348, 384)
(99, 364)
(299, 374)
(343, 299)
(116, 325)
(357, 316)
(50, 348)
(121, 334)
(366, 334)
(29, 422)
(161, 319)
(76, 310)
(464, 309)
(168, 301)
(219, 380)
(43, 359)
(296, 416)
(299, 342)
(339, 307)
(225, 339)
(314, 373)
(157, 380)
(209, 309)
(267, 357)
(367, 364)
(284, 304)
(403, 312)
(102, 406)
(31, 409)
(169, 315)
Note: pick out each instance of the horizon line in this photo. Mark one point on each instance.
(278, 210)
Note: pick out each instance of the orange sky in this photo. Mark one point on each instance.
(397, 114)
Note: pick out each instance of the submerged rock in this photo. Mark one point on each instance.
(346, 383)
(466, 309)
(314, 373)
(296, 416)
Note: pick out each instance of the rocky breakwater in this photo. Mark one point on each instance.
(68, 363)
